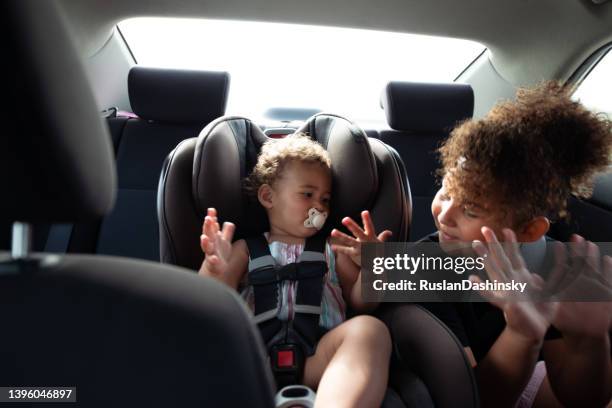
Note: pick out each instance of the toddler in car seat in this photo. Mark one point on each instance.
(299, 296)
(506, 176)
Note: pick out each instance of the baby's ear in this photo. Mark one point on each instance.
(265, 195)
(534, 229)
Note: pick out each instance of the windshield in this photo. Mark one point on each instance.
(298, 66)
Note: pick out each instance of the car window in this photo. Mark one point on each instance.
(594, 90)
(297, 66)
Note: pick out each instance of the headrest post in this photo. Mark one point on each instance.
(22, 240)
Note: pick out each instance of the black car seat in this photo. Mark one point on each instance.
(123, 332)
(421, 116)
(207, 172)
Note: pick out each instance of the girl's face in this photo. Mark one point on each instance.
(462, 222)
(301, 187)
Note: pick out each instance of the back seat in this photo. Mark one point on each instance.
(169, 106)
(591, 218)
(421, 116)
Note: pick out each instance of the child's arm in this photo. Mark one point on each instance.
(348, 258)
(579, 366)
(503, 373)
(223, 260)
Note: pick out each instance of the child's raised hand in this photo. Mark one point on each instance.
(503, 262)
(216, 244)
(587, 277)
(351, 246)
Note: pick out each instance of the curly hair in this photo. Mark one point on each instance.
(276, 154)
(526, 156)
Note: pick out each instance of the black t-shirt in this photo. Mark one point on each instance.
(476, 324)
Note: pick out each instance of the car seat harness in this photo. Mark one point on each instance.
(288, 342)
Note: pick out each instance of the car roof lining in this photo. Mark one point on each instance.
(545, 44)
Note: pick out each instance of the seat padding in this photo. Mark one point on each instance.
(130, 333)
(57, 157)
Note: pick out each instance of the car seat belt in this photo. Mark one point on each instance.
(288, 342)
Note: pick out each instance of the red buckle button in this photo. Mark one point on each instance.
(285, 358)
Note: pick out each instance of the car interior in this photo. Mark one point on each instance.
(109, 166)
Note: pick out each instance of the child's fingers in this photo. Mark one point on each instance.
(497, 257)
(350, 251)
(228, 231)
(593, 260)
(537, 281)
(492, 271)
(512, 249)
(559, 269)
(487, 294)
(384, 236)
(208, 226)
(368, 225)
(354, 228)
(207, 245)
(211, 212)
(343, 238)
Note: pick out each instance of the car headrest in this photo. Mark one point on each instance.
(226, 152)
(57, 158)
(178, 96)
(426, 107)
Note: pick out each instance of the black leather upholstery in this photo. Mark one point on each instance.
(177, 96)
(124, 332)
(421, 116)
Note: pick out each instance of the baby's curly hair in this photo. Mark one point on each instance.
(277, 153)
(526, 156)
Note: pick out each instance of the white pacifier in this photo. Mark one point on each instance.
(316, 219)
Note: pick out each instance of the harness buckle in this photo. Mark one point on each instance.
(287, 361)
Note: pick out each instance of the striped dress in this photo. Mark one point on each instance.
(333, 307)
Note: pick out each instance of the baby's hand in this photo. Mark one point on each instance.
(351, 246)
(216, 245)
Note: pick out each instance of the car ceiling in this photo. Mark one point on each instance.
(529, 40)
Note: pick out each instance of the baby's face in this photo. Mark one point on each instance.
(302, 186)
(462, 222)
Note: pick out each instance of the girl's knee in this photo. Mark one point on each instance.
(371, 330)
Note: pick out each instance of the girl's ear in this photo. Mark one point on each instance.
(534, 229)
(265, 195)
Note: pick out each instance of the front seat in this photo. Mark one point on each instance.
(207, 172)
(123, 332)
